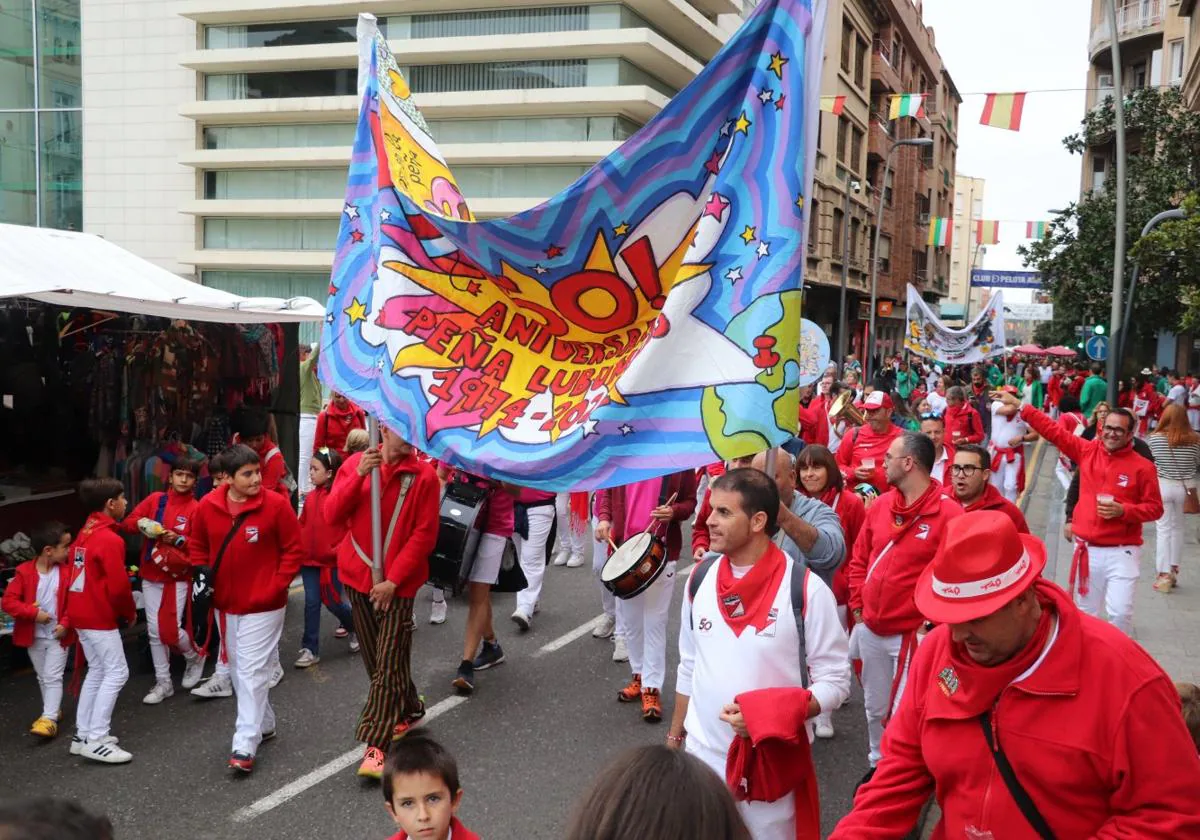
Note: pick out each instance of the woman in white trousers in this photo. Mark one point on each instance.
(1176, 450)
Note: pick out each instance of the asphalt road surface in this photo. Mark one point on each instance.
(532, 738)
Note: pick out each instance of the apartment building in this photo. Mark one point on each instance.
(1191, 72)
(876, 49)
(218, 132)
(1154, 39)
(966, 252)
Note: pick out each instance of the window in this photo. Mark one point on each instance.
(275, 183)
(61, 140)
(304, 135)
(516, 181)
(286, 85)
(281, 34)
(1155, 68)
(271, 234)
(1137, 76)
(542, 129)
(18, 175)
(977, 208)
(888, 183)
(1098, 167)
(814, 218)
(885, 254)
(839, 225)
(855, 236)
(856, 147)
(843, 132)
(514, 21)
(860, 63)
(847, 45)
(1177, 57)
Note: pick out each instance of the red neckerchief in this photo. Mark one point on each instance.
(747, 601)
(829, 495)
(903, 516)
(988, 499)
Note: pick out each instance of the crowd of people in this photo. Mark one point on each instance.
(884, 542)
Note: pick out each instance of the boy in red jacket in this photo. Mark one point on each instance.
(165, 586)
(250, 541)
(99, 600)
(253, 426)
(37, 598)
(963, 423)
(338, 419)
(420, 786)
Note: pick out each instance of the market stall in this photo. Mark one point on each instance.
(111, 366)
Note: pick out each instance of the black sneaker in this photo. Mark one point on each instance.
(491, 655)
(464, 680)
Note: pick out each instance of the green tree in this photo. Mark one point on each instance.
(1076, 257)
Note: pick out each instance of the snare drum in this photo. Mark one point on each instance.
(634, 566)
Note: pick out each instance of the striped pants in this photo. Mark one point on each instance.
(386, 639)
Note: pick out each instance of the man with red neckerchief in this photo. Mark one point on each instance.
(869, 443)
(972, 487)
(1016, 675)
(335, 422)
(901, 534)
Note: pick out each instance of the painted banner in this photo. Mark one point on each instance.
(645, 320)
(1006, 279)
(926, 335)
(1029, 311)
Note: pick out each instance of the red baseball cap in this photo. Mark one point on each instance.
(983, 563)
(875, 399)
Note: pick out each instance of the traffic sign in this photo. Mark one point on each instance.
(1097, 348)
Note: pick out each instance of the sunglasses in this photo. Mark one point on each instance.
(932, 415)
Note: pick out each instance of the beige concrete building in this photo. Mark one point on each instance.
(1191, 73)
(966, 252)
(217, 132)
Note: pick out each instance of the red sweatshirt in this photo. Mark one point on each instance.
(1128, 477)
(20, 601)
(177, 516)
(963, 424)
(321, 537)
(104, 597)
(458, 831)
(334, 424)
(862, 443)
(273, 467)
(814, 422)
(262, 558)
(700, 536)
(884, 567)
(993, 499)
(406, 554)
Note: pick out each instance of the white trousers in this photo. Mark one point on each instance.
(1112, 578)
(1063, 475)
(826, 715)
(222, 667)
(107, 672)
(645, 629)
(1168, 547)
(569, 539)
(879, 655)
(608, 601)
(49, 662)
(152, 591)
(1194, 418)
(308, 434)
(533, 556)
(1005, 478)
(252, 644)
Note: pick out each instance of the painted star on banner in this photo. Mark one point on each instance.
(589, 427)
(356, 236)
(766, 95)
(779, 102)
(726, 128)
(539, 268)
(713, 164)
(554, 251)
(625, 429)
(762, 250)
(329, 319)
(356, 311)
(385, 216)
(800, 201)
(743, 125)
(748, 234)
(715, 206)
(734, 274)
(621, 229)
(776, 65)
(474, 288)
(350, 210)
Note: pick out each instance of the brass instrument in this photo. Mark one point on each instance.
(843, 409)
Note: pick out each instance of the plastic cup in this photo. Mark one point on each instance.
(1105, 498)
(868, 463)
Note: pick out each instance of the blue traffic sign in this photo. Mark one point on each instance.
(1097, 348)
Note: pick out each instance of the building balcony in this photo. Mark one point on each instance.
(884, 76)
(1135, 20)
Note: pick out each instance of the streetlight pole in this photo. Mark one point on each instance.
(854, 185)
(1117, 346)
(887, 167)
(1115, 335)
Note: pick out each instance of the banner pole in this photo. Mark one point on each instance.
(376, 503)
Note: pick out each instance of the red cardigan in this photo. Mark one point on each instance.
(19, 598)
(610, 507)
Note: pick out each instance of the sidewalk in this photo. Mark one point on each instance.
(1167, 626)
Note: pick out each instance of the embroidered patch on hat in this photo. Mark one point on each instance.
(948, 681)
(251, 533)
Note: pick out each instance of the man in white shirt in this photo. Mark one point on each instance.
(1009, 435)
(1194, 406)
(933, 426)
(739, 633)
(1178, 392)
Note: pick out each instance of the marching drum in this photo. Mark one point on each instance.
(634, 566)
(458, 535)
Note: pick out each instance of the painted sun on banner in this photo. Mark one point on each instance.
(644, 320)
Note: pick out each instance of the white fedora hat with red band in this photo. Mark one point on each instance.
(983, 564)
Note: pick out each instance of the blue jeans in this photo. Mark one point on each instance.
(311, 576)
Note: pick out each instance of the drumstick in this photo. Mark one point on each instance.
(613, 544)
(654, 521)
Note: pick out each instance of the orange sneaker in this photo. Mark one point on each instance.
(651, 706)
(372, 764)
(631, 692)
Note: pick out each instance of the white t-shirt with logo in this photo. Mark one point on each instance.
(47, 599)
(1178, 394)
(1004, 429)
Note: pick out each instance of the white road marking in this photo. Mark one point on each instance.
(566, 639)
(315, 777)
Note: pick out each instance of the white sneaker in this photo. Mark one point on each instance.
(605, 625)
(159, 693)
(354, 645)
(575, 562)
(217, 686)
(523, 621)
(823, 728)
(620, 652)
(306, 659)
(560, 559)
(106, 752)
(193, 671)
(276, 675)
(438, 614)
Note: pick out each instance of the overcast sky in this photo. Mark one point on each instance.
(1008, 47)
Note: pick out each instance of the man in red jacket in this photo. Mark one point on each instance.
(963, 424)
(335, 422)
(860, 455)
(902, 532)
(972, 486)
(99, 600)
(1089, 724)
(250, 541)
(1118, 493)
(383, 608)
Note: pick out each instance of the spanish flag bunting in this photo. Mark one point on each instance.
(1003, 110)
(907, 105)
(1036, 230)
(987, 232)
(833, 105)
(940, 232)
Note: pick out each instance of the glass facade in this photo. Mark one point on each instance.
(271, 234)
(275, 183)
(281, 34)
(439, 78)
(41, 139)
(304, 135)
(516, 181)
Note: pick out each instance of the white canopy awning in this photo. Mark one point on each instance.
(72, 269)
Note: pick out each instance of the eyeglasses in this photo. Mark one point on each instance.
(964, 469)
(1115, 430)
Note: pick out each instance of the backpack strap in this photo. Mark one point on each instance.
(697, 578)
(159, 513)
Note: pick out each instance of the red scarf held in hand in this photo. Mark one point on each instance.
(903, 516)
(577, 503)
(747, 601)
